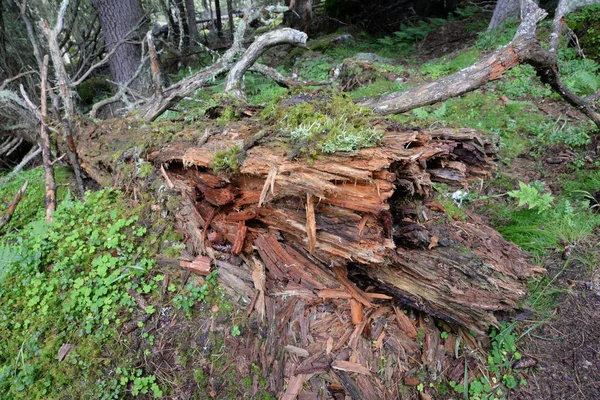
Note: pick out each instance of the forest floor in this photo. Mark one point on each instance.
(177, 335)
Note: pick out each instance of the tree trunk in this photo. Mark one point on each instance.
(230, 16)
(190, 10)
(219, 21)
(182, 17)
(360, 211)
(301, 14)
(173, 28)
(504, 10)
(120, 21)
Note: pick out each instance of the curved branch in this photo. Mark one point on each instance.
(233, 82)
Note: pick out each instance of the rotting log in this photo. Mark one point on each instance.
(330, 249)
(349, 210)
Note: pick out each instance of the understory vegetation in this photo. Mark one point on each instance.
(71, 286)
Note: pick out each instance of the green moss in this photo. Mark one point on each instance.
(69, 282)
(144, 169)
(92, 89)
(226, 160)
(32, 204)
(327, 126)
(437, 69)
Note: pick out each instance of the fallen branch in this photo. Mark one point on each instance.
(487, 69)
(33, 153)
(45, 145)
(274, 75)
(11, 208)
(525, 48)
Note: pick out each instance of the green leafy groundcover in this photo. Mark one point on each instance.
(68, 282)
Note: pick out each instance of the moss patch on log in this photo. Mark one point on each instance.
(329, 124)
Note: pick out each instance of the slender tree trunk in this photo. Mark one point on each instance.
(182, 17)
(230, 15)
(301, 14)
(45, 145)
(219, 21)
(166, 10)
(190, 9)
(120, 20)
(504, 10)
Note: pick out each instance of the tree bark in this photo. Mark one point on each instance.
(301, 14)
(120, 20)
(219, 21)
(504, 10)
(190, 10)
(230, 16)
(182, 19)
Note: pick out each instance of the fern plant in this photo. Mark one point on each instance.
(532, 196)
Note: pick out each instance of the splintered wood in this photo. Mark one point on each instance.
(345, 261)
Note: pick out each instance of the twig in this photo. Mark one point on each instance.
(11, 208)
(33, 153)
(14, 78)
(29, 104)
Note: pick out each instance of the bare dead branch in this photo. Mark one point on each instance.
(45, 145)
(33, 153)
(274, 75)
(29, 104)
(233, 82)
(120, 95)
(13, 206)
(14, 78)
(156, 81)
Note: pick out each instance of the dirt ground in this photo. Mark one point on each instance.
(568, 346)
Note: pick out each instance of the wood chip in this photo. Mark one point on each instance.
(434, 241)
(294, 387)
(239, 239)
(200, 265)
(297, 350)
(311, 223)
(341, 273)
(269, 184)
(405, 323)
(64, 351)
(411, 381)
(350, 367)
(329, 345)
(356, 311)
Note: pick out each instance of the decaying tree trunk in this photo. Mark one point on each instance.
(360, 211)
